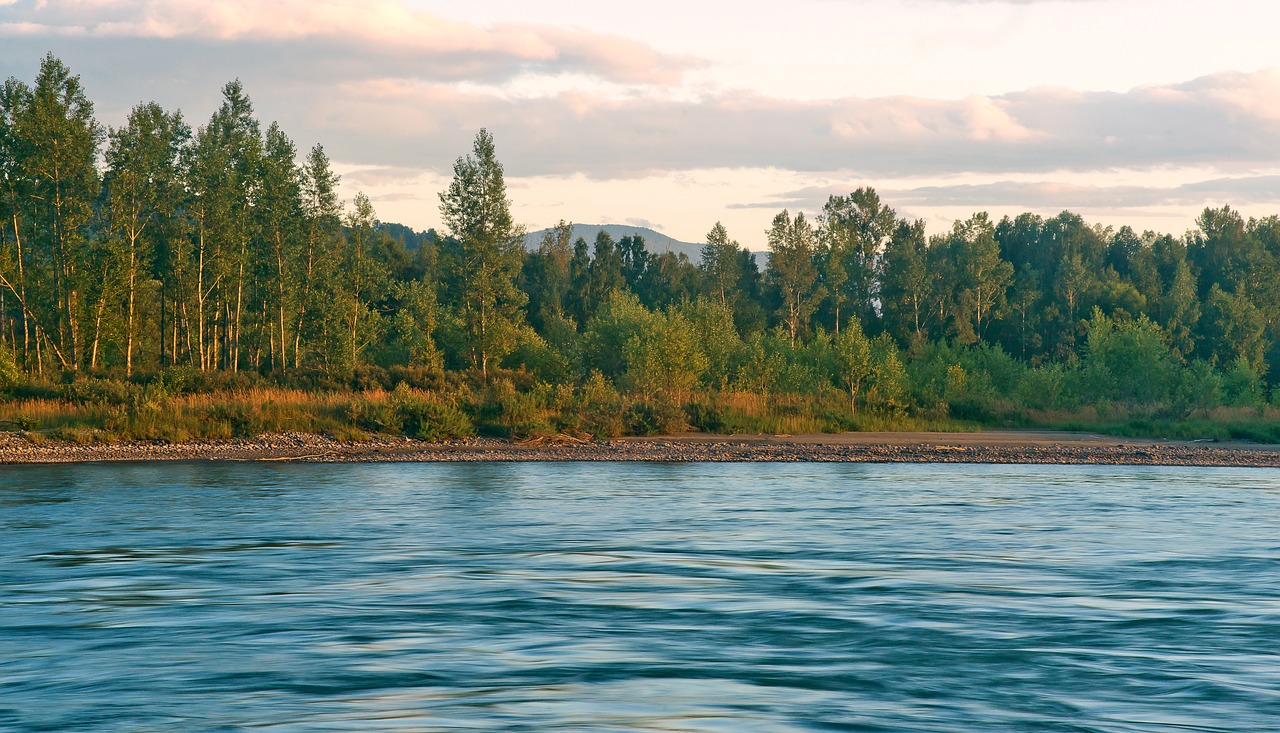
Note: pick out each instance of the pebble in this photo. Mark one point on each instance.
(301, 447)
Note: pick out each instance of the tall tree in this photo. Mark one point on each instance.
(279, 210)
(792, 270)
(366, 278)
(635, 260)
(61, 138)
(605, 271)
(487, 255)
(322, 228)
(578, 299)
(670, 278)
(545, 275)
(854, 229)
(239, 133)
(223, 176)
(981, 276)
(140, 190)
(908, 282)
(720, 264)
(730, 275)
(15, 204)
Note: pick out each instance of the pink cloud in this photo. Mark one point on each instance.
(379, 26)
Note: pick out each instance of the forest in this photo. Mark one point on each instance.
(164, 281)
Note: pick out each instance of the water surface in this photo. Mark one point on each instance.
(633, 597)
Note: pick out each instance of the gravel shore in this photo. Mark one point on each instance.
(987, 447)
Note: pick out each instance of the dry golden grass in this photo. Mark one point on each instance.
(106, 412)
(177, 418)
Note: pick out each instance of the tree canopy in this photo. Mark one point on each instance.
(225, 249)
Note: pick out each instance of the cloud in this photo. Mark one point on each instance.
(1049, 195)
(390, 87)
(1225, 120)
(387, 31)
(1043, 195)
(382, 176)
(991, 2)
(400, 196)
(645, 223)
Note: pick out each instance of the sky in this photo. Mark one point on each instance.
(678, 114)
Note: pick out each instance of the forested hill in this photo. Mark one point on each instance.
(654, 241)
(411, 240)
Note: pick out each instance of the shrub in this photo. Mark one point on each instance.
(377, 416)
(422, 416)
(506, 412)
(655, 417)
(600, 407)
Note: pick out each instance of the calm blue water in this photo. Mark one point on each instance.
(611, 597)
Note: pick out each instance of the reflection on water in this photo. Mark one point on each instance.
(610, 597)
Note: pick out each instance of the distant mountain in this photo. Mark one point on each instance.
(655, 242)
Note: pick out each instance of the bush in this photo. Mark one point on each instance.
(705, 417)
(376, 416)
(426, 418)
(10, 374)
(599, 407)
(506, 412)
(1127, 361)
(103, 392)
(655, 417)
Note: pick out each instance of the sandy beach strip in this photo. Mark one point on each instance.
(1006, 446)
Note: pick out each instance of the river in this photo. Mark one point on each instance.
(638, 597)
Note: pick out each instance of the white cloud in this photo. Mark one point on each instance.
(386, 29)
(1215, 121)
(607, 106)
(1058, 195)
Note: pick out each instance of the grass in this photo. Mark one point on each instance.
(1253, 424)
(790, 414)
(101, 411)
(232, 413)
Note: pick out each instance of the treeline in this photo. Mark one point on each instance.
(154, 245)
(220, 250)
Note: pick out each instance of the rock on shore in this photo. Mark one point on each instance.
(859, 448)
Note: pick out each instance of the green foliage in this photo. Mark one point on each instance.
(1128, 361)
(793, 271)
(1242, 385)
(713, 332)
(424, 416)
(665, 358)
(853, 230)
(854, 360)
(597, 408)
(886, 389)
(484, 255)
(505, 412)
(655, 417)
(207, 276)
(539, 358)
(620, 319)
(10, 374)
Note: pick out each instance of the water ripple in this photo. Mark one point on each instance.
(590, 597)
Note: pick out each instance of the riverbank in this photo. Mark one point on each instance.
(1036, 447)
